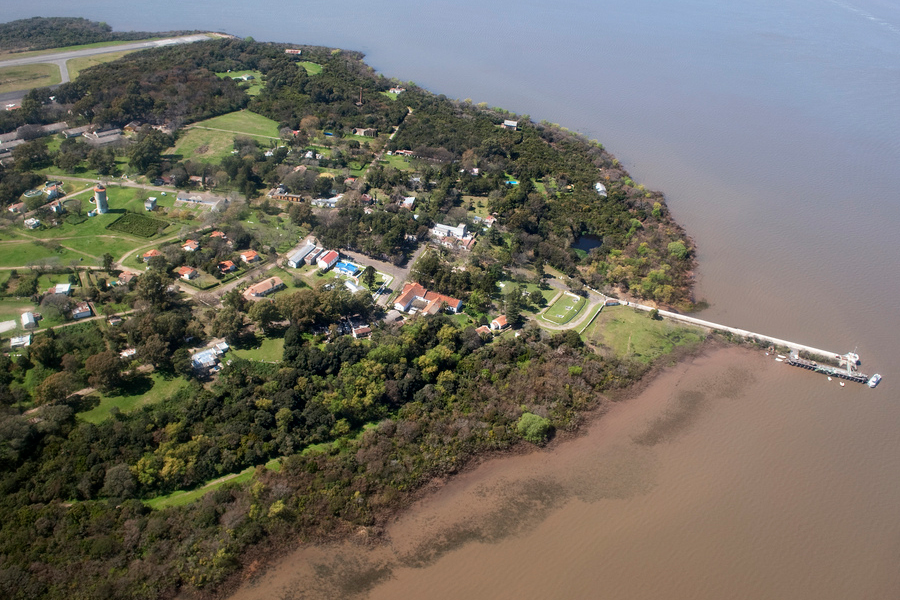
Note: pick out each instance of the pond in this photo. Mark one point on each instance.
(588, 242)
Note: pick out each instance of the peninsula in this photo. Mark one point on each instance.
(253, 294)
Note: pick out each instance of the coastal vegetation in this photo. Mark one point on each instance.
(40, 33)
(128, 472)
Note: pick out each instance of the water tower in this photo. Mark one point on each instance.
(100, 199)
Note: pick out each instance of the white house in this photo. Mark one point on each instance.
(327, 260)
(28, 320)
(458, 232)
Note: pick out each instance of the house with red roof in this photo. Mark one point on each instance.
(328, 260)
(190, 245)
(187, 273)
(415, 298)
(250, 256)
(150, 254)
(226, 266)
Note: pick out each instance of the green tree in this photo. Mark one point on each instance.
(533, 428)
(368, 276)
(104, 370)
(55, 388)
(108, 261)
(264, 313)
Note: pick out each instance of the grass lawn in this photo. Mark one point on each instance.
(212, 140)
(564, 310)
(268, 350)
(77, 65)
(180, 498)
(399, 162)
(147, 390)
(311, 67)
(11, 309)
(22, 254)
(477, 205)
(243, 122)
(25, 77)
(256, 84)
(82, 171)
(389, 95)
(633, 334)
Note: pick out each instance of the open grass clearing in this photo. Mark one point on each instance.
(182, 497)
(390, 95)
(243, 122)
(26, 77)
(21, 254)
(147, 389)
(255, 84)
(212, 140)
(399, 162)
(628, 333)
(564, 309)
(268, 349)
(76, 65)
(311, 67)
(82, 169)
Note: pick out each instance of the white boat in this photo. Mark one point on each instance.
(873, 381)
(778, 360)
(829, 379)
(842, 384)
(781, 356)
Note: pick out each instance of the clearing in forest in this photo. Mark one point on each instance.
(212, 140)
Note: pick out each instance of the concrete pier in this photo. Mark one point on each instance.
(831, 355)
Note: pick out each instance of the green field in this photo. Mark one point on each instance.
(26, 77)
(311, 67)
(147, 390)
(399, 162)
(563, 310)
(269, 350)
(256, 84)
(212, 140)
(629, 333)
(390, 95)
(76, 65)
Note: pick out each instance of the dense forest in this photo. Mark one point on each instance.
(41, 33)
(437, 395)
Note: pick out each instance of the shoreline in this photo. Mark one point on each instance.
(389, 540)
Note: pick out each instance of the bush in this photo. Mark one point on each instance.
(533, 428)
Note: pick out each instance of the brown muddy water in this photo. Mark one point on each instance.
(729, 476)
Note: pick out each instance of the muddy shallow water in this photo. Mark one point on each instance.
(694, 488)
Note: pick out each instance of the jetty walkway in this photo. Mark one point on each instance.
(741, 332)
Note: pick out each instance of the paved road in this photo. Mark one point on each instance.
(64, 56)
(60, 58)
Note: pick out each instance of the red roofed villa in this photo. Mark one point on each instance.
(226, 266)
(499, 324)
(249, 256)
(187, 273)
(150, 254)
(415, 298)
(190, 245)
(264, 288)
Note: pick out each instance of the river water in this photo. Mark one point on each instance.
(773, 127)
